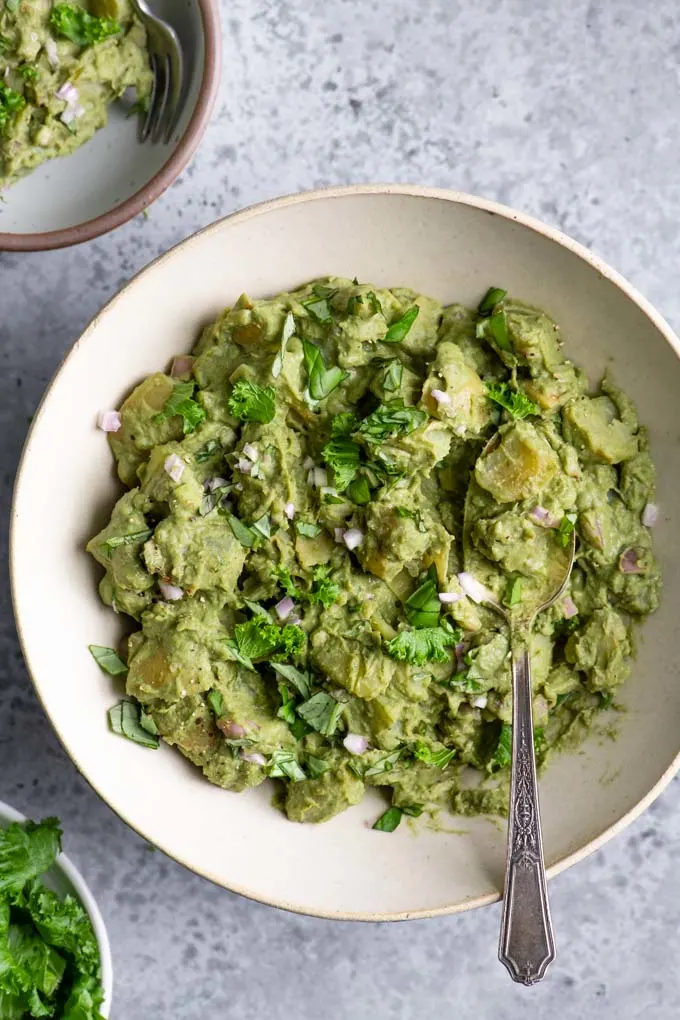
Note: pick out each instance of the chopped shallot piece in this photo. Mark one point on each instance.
(174, 467)
(441, 396)
(480, 701)
(251, 452)
(353, 538)
(170, 592)
(540, 515)
(569, 608)
(181, 365)
(630, 563)
(109, 421)
(231, 729)
(289, 511)
(355, 743)
(216, 483)
(284, 608)
(449, 597)
(474, 589)
(254, 757)
(650, 515)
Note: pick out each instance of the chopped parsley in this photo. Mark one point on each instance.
(258, 639)
(125, 720)
(321, 381)
(300, 681)
(11, 103)
(390, 420)
(514, 401)
(344, 424)
(321, 712)
(429, 644)
(343, 457)
(181, 403)
(108, 659)
(389, 820)
(493, 297)
(324, 591)
(250, 402)
(399, 329)
(28, 73)
(565, 529)
(438, 759)
(82, 28)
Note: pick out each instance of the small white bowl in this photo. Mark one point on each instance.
(65, 880)
(112, 177)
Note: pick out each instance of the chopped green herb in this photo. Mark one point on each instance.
(213, 500)
(286, 710)
(29, 73)
(140, 106)
(414, 515)
(413, 810)
(439, 759)
(359, 491)
(353, 303)
(383, 764)
(514, 401)
(301, 681)
(390, 420)
(286, 581)
(394, 374)
(84, 29)
(513, 593)
(316, 766)
(389, 820)
(498, 327)
(374, 302)
(428, 644)
(399, 329)
(11, 103)
(284, 765)
(109, 544)
(566, 528)
(321, 381)
(539, 739)
(108, 659)
(319, 309)
(250, 402)
(307, 529)
(342, 456)
(124, 719)
(257, 639)
(181, 403)
(286, 333)
(567, 696)
(148, 723)
(502, 756)
(216, 702)
(246, 536)
(493, 296)
(207, 452)
(12, 5)
(324, 591)
(263, 526)
(322, 713)
(423, 607)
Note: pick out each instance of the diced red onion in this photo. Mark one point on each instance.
(216, 483)
(542, 516)
(629, 562)
(68, 93)
(480, 701)
(109, 421)
(181, 365)
(254, 757)
(174, 467)
(289, 511)
(650, 515)
(252, 726)
(449, 597)
(355, 743)
(353, 538)
(284, 608)
(441, 396)
(170, 592)
(244, 466)
(72, 113)
(569, 608)
(251, 452)
(50, 47)
(474, 589)
(339, 534)
(231, 729)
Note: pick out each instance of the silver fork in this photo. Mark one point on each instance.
(167, 64)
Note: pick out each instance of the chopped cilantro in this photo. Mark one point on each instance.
(322, 713)
(124, 719)
(108, 659)
(307, 529)
(391, 419)
(359, 492)
(324, 591)
(286, 333)
(493, 296)
(565, 529)
(342, 456)
(181, 403)
(513, 593)
(439, 759)
(428, 644)
(133, 538)
(388, 821)
(11, 103)
(84, 29)
(393, 376)
(399, 329)
(250, 402)
(284, 765)
(422, 608)
(321, 381)
(514, 401)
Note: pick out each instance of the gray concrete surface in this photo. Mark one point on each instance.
(568, 111)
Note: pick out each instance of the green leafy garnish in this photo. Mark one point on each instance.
(359, 491)
(28, 73)
(383, 764)
(246, 536)
(11, 103)
(285, 579)
(108, 659)
(389, 820)
(262, 526)
(300, 681)
(394, 374)
(250, 402)
(566, 526)
(414, 515)
(493, 296)
(439, 759)
(374, 302)
(308, 529)
(284, 765)
(514, 401)
(342, 456)
(26, 851)
(109, 544)
(324, 591)
(124, 719)
(316, 766)
(319, 309)
(428, 644)
(207, 452)
(399, 329)
(321, 381)
(391, 419)
(344, 424)
(287, 332)
(212, 500)
(513, 593)
(84, 29)
(423, 607)
(216, 702)
(502, 756)
(12, 5)
(258, 639)
(321, 712)
(181, 403)
(148, 723)
(413, 810)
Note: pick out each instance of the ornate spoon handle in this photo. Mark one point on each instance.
(527, 945)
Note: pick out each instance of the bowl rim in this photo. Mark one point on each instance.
(241, 216)
(168, 173)
(65, 865)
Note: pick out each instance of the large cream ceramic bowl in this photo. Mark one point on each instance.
(451, 246)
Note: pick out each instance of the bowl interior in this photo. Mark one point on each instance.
(112, 166)
(65, 880)
(453, 250)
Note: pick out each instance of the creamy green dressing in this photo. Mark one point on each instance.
(290, 545)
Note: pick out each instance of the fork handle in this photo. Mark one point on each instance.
(527, 945)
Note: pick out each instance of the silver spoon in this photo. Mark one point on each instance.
(527, 945)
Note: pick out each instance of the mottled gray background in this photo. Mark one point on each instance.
(566, 110)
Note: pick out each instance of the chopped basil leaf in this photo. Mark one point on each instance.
(513, 594)
(359, 491)
(263, 526)
(399, 329)
(394, 374)
(147, 723)
(383, 764)
(321, 381)
(286, 710)
(216, 702)
(301, 681)
(82, 28)
(207, 452)
(242, 532)
(422, 608)
(286, 333)
(439, 759)
(514, 401)
(342, 456)
(565, 529)
(503, 754)
(391, 419)
(108, 659)
(250, 402)
(307, 530)
(109, 544)
(258, 610)
(213, 500)
(413, 810)
(284, 765)
(322, 713)
(428, 644)
(498, 327)
(319, 309)
(374, 302)
(124, 721)
(353, 304)
(493, 296)
(316, 766)
(181, 404)
(389, 820)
